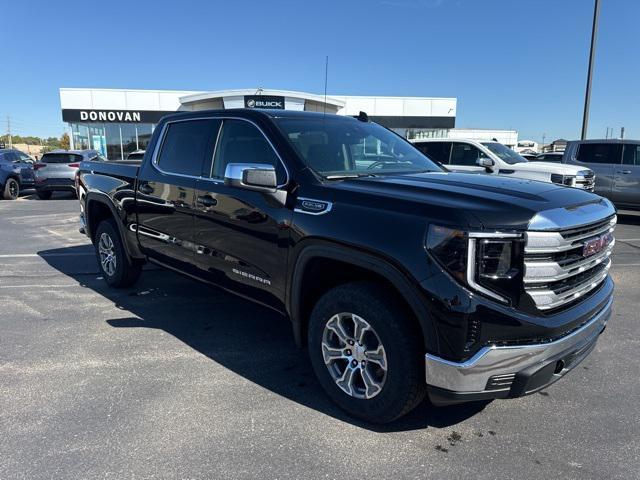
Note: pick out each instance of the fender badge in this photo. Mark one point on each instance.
(312, 206)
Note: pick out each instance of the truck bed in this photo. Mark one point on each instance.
(123, 169)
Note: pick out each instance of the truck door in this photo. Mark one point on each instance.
(604, 160)
(626, 185)
(242, 236)
(166, 190)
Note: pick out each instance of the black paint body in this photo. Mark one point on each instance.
(377, 224)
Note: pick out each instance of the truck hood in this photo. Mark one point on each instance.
(548, 167)
(481, 201)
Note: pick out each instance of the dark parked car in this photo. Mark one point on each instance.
(549, 157)
(136, 155)
(401, 278)
(616, 164)
(529, 156)
(16, 173)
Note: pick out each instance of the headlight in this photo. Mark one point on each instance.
(567, 180)
(489, 263)
(450, 248)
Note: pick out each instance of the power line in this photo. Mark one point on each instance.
(32, 123)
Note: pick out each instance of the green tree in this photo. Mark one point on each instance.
(64, 141)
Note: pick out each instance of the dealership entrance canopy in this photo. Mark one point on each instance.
(117, 122)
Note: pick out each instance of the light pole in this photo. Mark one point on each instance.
(592, 53)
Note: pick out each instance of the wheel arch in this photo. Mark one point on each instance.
(99, 207)
(11, 176)
(365, 266)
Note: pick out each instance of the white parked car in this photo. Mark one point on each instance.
(462, 155)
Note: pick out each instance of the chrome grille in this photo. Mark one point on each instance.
(586, 182)
(556, 272)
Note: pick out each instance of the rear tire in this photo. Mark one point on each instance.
(11, 189)
(44, 195)
(390, 339)
(116, 268)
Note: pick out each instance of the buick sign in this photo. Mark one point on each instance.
(264, 101)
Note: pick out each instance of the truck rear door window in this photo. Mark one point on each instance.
(438, 151)
(186, 145)
(599, 153)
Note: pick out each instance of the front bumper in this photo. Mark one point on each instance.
(512, 371)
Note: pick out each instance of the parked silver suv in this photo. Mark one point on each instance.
(616, 164)
(57, 170)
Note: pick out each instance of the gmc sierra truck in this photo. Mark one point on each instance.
(401, 278)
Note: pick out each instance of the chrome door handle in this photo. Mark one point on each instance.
(624, 172)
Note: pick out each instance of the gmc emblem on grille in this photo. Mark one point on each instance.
(596, 245)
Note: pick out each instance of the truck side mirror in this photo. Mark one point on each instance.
(485, 162)
(251, 176)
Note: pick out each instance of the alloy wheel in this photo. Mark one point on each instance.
(13, 189)
(354, 355)
(107, 254)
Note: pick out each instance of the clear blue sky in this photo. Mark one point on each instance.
(517, 64)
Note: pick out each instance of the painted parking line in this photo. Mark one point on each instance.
(30, 255)
(40, 286)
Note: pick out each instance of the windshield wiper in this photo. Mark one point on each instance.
(349, 175)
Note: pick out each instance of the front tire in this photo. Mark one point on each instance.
(44, 194)
(11, 189)
(116, 268)
(366, 352)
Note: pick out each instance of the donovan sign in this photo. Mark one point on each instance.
(112, 116)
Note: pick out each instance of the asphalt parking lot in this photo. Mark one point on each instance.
(173, 379)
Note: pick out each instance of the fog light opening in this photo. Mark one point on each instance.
(559, 367)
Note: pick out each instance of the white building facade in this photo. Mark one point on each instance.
(119, 121)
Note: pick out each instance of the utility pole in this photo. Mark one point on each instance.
(544, 135)
(592, 53)
(622, 133)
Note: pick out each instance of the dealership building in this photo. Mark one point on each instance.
(118, 121)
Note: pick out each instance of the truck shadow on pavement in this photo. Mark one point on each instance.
(627, 217)
(246, 338)
(30, 194)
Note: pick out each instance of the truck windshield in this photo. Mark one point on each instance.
(505, 153)
(343, 147)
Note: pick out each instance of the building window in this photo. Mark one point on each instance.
(113, 140)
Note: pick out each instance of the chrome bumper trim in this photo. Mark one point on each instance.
(472, 376)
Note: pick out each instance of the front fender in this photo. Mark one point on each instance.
(315, 248)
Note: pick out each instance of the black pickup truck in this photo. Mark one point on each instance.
(401, 278)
